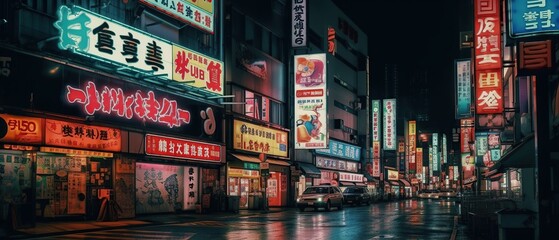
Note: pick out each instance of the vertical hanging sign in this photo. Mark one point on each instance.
(489, 89)
(463, 89)
(389, 132)
(310, 101)
(299, 23)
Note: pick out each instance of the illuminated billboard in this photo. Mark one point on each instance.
(463, 88)
(531, 18)
(310, 101)
(199, 13)
(90, 34)
(259, 139)
(389, 123)
(488, 62)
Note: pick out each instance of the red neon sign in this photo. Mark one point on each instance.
(142, 105)
(182, 148)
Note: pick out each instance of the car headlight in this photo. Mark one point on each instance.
(319, 199)
(298, 199)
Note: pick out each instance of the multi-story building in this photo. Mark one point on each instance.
(119, 100)
(258, 135)
(330, 117)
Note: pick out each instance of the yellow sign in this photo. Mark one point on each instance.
(74, 135)
(235, 172)
(197, 70)
(76, 152)
(392, 174)
(207, 5)
(19, 129)
(255, 138)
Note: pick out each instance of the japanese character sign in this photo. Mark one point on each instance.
(181, 148)
(67, 134)
(389, 116)
(487, 32)
(533, 17)
(198, 13)
(259, 139)
(198, 70)
(488, 75)
(90, 34)
(299, 23)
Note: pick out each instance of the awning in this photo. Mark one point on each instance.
(405, 182)
(347, 184)
(520, 155)
(277, 162)
(360, 184)
(309, 170)
(245, 158)
(395, 183)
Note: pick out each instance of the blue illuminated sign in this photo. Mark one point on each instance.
(342, 150)
(533, 17)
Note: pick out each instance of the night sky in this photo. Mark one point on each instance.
(413, 34)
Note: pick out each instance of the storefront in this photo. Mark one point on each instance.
(255, 165)
(66, 176)
(243, 178)
(184, 182)
(339, 164)
(88, 143)
(308, 173)
(406, 190)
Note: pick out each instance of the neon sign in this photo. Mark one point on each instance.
(142, 105)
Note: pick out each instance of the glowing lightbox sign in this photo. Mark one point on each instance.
(259, 139)
(198, 13)
(197, 70)
(376, 120)
(93, 35)
(533, 17)
(182, 148)
(342, 150)
(299, 23)
(75, 135)
(389, 116)
(310, 101)
(463, 88)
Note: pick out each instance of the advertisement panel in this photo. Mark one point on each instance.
(376, 167)
(92, 35)
(299, 23)
(392, 175)
(259, 139)
(487, 30)
(181, 148)
(341, 150)
(444, 151)
(310, 101)
(100, 99)
(20, 129)
(191, 193)
(376, 120)
(75, 135)
(419, 159)
(463, 88)
(88, 33)
(196, 13)
(389, 123)
(197, 70)
(532, 18)
(435, 152)
(376, 150)
(487, 42)
(412, 145)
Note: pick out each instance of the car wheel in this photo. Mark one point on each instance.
(302, 209)
(328, 206)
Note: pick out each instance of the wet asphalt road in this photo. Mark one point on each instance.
(408, 219)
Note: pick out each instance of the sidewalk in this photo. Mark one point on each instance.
(53, 228)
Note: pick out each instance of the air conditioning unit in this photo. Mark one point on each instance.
(338, 124)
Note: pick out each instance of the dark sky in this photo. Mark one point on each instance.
(415, 35)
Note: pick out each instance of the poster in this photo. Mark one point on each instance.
(159, 188)
(76, 192)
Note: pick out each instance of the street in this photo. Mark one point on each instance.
(407, 219)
